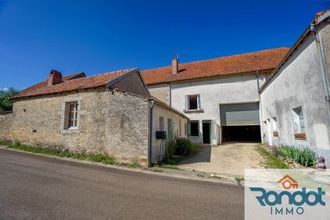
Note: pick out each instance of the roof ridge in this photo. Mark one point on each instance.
(111, 72)
(221, 57)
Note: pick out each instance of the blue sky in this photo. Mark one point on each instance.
(99, 36)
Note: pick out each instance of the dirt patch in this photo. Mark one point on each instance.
(230, 159)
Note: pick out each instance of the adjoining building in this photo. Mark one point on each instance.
(110, 113)
(295, 100)
(220, 96)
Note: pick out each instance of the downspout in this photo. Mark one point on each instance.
(257, 75)
(260, 107)
(170, 95)
(150, 113)
(324, 68)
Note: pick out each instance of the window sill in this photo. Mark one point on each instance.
(300, 136)
(70, 131)
(193, 111)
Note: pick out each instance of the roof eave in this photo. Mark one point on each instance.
(300, 40)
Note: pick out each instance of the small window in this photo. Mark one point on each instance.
(161, 124)
(71, 115)
(193, 102)
(194, 128)
(298, 120)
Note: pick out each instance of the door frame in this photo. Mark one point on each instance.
(209, 122)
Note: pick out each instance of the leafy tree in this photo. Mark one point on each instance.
(5, 95)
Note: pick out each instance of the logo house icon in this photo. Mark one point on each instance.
(288, 182)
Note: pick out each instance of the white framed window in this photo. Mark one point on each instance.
(71, 115)
(298, 120)
(193, 102)
(194, 128)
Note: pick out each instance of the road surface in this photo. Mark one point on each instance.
(36, 187)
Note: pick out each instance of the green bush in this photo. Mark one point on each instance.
(303, 156)
(184, 146)
(170, 149)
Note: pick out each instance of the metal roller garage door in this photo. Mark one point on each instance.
(239, 114)
(240, 122)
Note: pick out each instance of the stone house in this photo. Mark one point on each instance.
(295, 100)
(220, 96)
(111, 113)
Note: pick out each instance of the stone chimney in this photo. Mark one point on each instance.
(54, 77)
(175, 65)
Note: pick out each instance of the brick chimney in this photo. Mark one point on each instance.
(175, 65)
(54, 77)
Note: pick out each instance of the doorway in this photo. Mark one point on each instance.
(241, 133)
(206, 132)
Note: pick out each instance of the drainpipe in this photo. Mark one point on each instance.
(150, 114)
(258, 84)
(170, 95)
(324, 68)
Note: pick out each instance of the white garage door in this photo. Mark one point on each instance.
(241, 114)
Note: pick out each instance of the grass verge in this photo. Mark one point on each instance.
(271, 161)
(93, 157)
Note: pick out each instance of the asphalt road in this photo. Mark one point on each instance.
(36, 187)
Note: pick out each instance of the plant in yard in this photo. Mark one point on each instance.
(184, 146)
(303, 156)
(170, 149)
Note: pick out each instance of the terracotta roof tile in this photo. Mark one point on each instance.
(70, 83)
(265, 60)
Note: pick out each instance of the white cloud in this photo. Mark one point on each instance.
(4, 89)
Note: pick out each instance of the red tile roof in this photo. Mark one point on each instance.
(70, 83)
(265, 60)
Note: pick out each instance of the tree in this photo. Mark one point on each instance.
(5, 95)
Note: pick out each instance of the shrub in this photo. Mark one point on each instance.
(303, 156)
(184, 146)
(170, 149)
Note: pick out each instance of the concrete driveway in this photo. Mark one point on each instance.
(228, 159)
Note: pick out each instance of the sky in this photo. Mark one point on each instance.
(101, 36)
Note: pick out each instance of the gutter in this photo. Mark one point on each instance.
(150, 114)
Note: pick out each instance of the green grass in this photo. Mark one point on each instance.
(3, 143)
(134, 164)
(271, 161)
(168, 166)
(93, 157)
(239, 180)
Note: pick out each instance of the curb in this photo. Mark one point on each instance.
(167, 173)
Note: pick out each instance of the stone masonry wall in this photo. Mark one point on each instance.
(114, 123)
